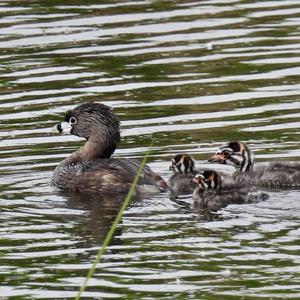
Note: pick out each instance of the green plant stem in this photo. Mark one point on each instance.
(113, 227)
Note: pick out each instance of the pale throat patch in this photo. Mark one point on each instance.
(66, 127)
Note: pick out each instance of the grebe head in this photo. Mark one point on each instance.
(208, 180)
(182, 163)
(236, 154)
(96, 123)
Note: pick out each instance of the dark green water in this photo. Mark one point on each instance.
(192, 74)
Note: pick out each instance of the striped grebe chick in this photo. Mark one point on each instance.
(209, 194)
(271, 174)
(183, 172)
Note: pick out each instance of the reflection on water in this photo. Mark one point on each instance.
(193, 75)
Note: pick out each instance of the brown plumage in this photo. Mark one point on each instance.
(90, 168)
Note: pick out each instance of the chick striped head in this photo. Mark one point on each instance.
(182, 163)
(208, 179)
(236, 154)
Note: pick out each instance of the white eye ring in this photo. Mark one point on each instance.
(73, 120)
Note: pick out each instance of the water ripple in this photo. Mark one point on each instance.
(190, 74)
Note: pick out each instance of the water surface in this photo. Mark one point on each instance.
(190, 74)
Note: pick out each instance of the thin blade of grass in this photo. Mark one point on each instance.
(114, 226)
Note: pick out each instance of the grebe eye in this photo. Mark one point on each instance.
(226, 153)
(73, 120)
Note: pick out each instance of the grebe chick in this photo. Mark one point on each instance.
(272, 174)
(209, 194)
(91, 168)
(183, 172)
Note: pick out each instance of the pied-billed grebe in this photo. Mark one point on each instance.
(91, 169)
(183, 171)
(272, 174)
(209, 193)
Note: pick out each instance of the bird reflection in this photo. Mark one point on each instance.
(201, 214)
(101, 213)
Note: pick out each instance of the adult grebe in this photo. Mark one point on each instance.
(91, 168)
